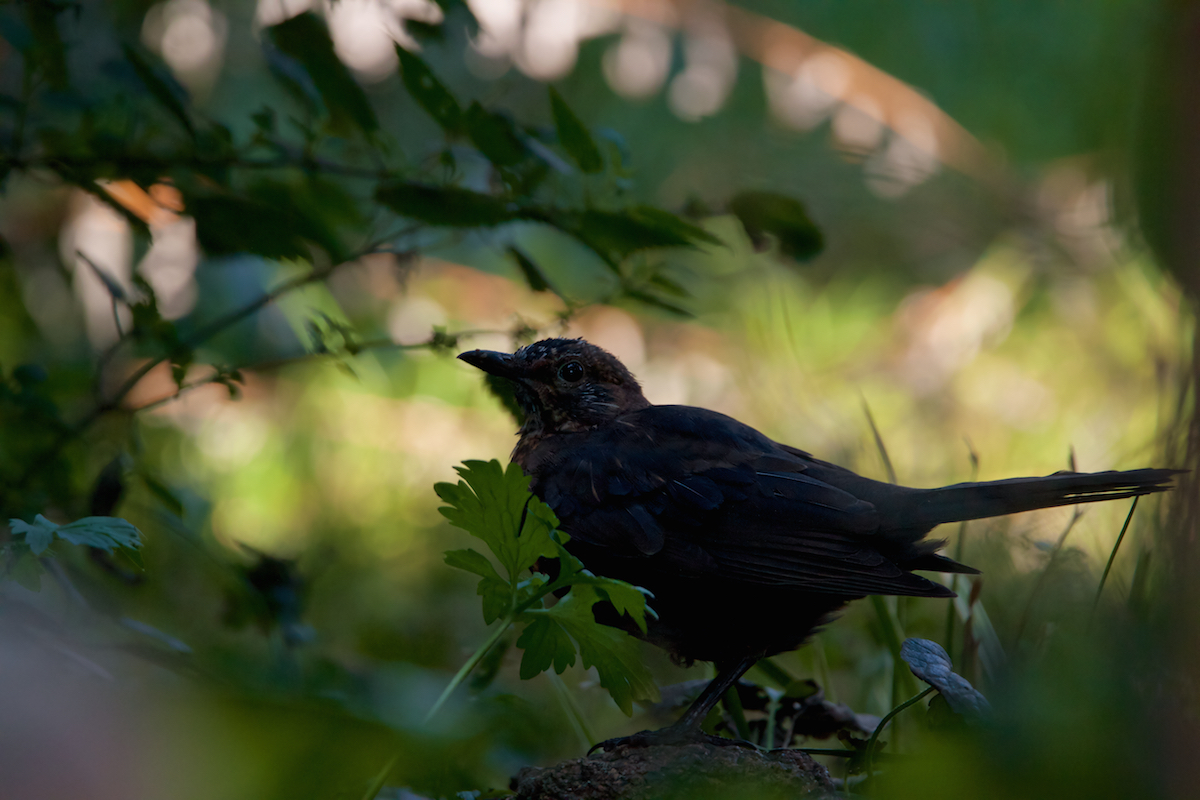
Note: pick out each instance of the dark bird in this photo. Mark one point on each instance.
(747, 545)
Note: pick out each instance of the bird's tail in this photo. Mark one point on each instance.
(965, 501)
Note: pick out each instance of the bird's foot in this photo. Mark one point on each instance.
(672, 735)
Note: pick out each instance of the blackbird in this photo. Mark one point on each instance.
(747, 545)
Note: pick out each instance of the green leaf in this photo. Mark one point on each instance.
(495, 136)
(305, 38)
(494, 504)
(545, 643)
(625, 598)
(106, 533)
(430, 93)
(496, 592)
(574, 136)
(162, 87)
(533, 273)
(653, 300)
(447, 206)
(227, 224)
(783, 217)
(616, 234)
(472, 561)
(615, 654)
(38, 535)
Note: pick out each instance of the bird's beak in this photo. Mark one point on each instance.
(492, 362)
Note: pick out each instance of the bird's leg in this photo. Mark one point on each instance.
(687, 728)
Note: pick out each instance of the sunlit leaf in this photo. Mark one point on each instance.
(574, 136)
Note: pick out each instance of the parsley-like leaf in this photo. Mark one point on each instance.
(494, 505)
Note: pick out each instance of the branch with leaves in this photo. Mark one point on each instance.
(494, 505)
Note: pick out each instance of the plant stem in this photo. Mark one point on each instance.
(871, 743)
(472, 662)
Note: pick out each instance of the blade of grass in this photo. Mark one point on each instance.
(879, 445)
(378, 782)
(1113, 556)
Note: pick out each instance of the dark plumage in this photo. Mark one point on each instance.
(747, 544)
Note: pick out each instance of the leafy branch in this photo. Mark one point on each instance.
(494, 505)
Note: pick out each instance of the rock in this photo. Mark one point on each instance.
(696, 771)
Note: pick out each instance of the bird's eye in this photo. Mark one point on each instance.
(571, 371)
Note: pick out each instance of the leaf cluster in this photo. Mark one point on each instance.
(30, 541)
(494, 505)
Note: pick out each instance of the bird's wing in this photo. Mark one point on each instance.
(703, 495)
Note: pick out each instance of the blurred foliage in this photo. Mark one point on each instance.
(228, 294)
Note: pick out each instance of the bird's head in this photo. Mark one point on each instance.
(563, 385)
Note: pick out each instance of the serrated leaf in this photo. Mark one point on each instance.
(305, 38)
(625, 598)
(472, 561)
(429, 92)
(38, 535)
(494, 504)
(574, 136)
(495, 136)
(531, 271)
(785, 218)
(162, 87)
(106, 533)
(497, 593)
(615, 654)
(546, 644)
(447, 206)
(497, 599)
